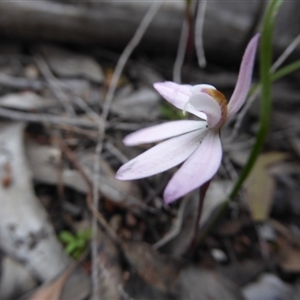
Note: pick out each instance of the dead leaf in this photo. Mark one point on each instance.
(139, 104)
(285, 232)
(15, 279)
(260, 185)
(138, 289)
(156, 269)
(77, 286)
(110, 274)
(290, 259)
(201, 284)
(25, 101)
(43, 163)
(242, 272)
(53, 289)
(178, 238)
(184, 222)
(69, 64)
(268, 287)
(289, 256)
(215, 196)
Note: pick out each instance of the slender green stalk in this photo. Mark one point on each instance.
(265, 58)
(267, 78)
(286, 70)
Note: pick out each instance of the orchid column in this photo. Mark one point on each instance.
(196, 143)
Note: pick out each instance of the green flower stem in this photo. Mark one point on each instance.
(266, 79)
(265, 58)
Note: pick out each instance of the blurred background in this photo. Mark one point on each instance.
(68, 228)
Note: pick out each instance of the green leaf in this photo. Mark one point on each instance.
(66, 236)
(260, 185)
(70, 248)
(286, 70)
(265, 59)
(75, 244)
(76, 253)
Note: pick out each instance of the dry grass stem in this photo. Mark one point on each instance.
(106, 108)
(46, 118)
(199, 33)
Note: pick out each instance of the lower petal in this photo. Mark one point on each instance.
(163, 131)
(162, 157)
(198, 169)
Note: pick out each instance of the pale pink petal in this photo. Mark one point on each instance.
(163, 131)
(200, 167)
(162, 157)
(177, 94)
(244, 79)
(206, 104)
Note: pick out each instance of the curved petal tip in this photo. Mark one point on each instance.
(244, 79)
(176, 94)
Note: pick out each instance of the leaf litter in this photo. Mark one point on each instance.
(149, 259)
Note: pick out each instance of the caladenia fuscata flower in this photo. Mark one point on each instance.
(196, 143)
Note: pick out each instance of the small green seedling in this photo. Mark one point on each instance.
(75, 244)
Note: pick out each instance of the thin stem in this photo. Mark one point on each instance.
(292, 46)
(199, 33)
(292, 67)
(265, 55)
(54, 84)
(106, 108)
(202, 192)
(181, 52)
(47, 118)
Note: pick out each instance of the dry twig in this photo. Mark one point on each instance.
(57, 90)
(20, 83)
(46, 118)
(72, 159)
(181, 52)
(55, 87)
(199, 33)
(107, 103)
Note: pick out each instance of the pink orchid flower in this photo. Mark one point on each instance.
(196, 143)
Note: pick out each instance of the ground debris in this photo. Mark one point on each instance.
(54, 93)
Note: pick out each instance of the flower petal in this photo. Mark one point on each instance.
(163, 156)
(198, 169)
(178, 95)
(244, 79)
(162, 132)
(208, 105)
